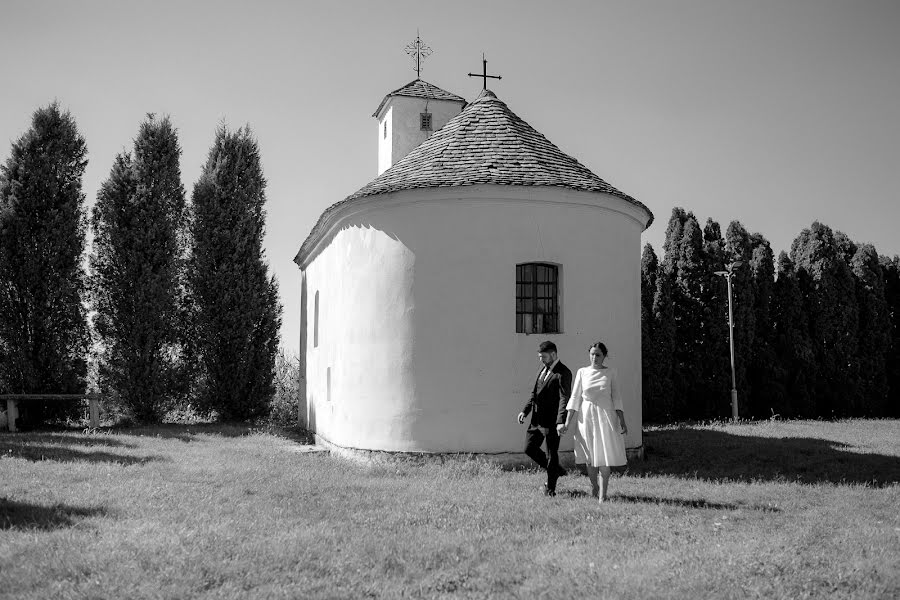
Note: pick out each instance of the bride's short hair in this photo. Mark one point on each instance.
(601, 347)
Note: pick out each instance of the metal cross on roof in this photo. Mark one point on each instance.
(484, 74)
(418, 50)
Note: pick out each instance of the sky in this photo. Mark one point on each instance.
(775, 113)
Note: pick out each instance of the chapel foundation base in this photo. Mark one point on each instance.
(510, 460)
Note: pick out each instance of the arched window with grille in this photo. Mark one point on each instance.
(537, 298)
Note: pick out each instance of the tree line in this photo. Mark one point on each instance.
(177, 303)
(816, 331)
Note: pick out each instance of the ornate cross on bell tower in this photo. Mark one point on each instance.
(484, 74)
(419, 51)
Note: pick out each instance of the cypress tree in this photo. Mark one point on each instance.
(891, 270)
(674, 233)
(830, 299)
(874, 334)
(137, 271)
(714, 355)
(846, 248)
(43, 330)
(649, 268)
(760, 370)
(663, 348)
(738, 248)
(795, 370)
(687, 311)
(665, 301)
(236, 311)
(657, 329)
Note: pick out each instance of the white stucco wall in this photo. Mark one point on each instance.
(403, 133)
(417, 313)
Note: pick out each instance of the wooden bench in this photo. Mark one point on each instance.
(12, 413)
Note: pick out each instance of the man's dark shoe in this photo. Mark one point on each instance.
(547, 491)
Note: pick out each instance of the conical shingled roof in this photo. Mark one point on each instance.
(487, 143)
(419, 88)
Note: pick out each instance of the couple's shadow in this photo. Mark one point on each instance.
(678, 502)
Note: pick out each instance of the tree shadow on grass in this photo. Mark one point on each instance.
(25, 516)
(76, 439)
(187, 433)
(695, 453)
(37, 447)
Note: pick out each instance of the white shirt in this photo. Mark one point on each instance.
(547, 370)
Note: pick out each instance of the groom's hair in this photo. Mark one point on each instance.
(547, 347)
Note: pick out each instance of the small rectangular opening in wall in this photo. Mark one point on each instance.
(316, 321)
(425, 121)
(328, 384)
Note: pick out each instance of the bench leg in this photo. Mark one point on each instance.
(11, 414)
(95, 412)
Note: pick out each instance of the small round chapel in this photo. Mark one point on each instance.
(425, 294)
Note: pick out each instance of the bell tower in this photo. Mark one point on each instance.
(409, 115)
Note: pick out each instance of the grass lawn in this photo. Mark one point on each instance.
(767, 510)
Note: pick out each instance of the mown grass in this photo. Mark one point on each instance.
(767, 510)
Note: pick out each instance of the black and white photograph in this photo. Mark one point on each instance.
(499, 299)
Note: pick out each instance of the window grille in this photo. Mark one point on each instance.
(537, 298)
(425, 121)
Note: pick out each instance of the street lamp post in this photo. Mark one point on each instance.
(728, 273)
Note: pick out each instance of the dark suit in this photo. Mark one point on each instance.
(547, 406)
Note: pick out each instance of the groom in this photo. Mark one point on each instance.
(548, 409)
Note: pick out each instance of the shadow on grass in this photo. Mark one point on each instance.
(42, 446)
(680, 502)
(75, 439)
(707, 454)
(189, 432)
(24, 516)
(688, 503)
(184, 432)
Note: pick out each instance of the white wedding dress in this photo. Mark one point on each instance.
(598, 438)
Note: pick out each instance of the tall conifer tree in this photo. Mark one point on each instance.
(236, 311)
(649, 268)
(830, 302)
(795, 371)
(714, 356)
(762, 397)
(137, 271)
(738, 248)
(874, 335)
(43, 329)
(674, 233)
(687, 290)
(656, 339)
(891, 269)
(663, 347)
